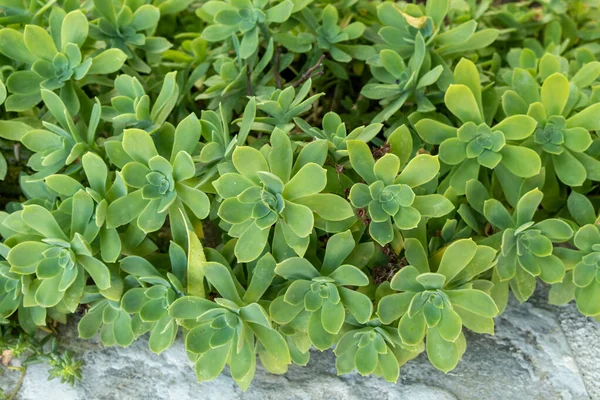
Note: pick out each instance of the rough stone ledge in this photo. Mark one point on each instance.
(539, 352)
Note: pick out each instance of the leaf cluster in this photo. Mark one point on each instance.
(268, 177)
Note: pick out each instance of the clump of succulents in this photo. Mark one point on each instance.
(238, 171)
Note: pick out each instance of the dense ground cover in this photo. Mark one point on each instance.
(271, 176)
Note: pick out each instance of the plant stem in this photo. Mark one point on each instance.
(19, 384)
(276, 68)
(248, 80)
(309, 72)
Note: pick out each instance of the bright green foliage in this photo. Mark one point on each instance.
(475, 143)
(242, 16)
(400, 28)
(331, 37)
(564, 122)
(159, 185)
(227, 330)
(55, 59)
(131, 106)
(103, 192)
(269, 177)
(527, 251)
(374, 349)
(335, 132)
(389, 196)
(128, 28)
(586, 275)
(284, 105)
(215, 129)
(150, 302)
(59, 145)
(113, 322)
(319, 298)
(52, 253)
(436, 301)
(262, 192)
(232, 82)
(399, 82)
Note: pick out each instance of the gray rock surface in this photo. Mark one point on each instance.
(539, 352)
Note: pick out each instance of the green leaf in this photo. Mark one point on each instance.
(211, 363)
(145, 17)
(555, 93)
(248, 161)
(162, 335)
(581, 209)
(466, 73)
(39, 42)
(273, 342)
(125, 209)
(513, 104)
(526, 207)
(521, 161)
(328, 206)
(190, 307)
(251, 243)
(299, 218)
(569, 169)
(434, 132)
(138, 144)
(555, 229)
(393, 306)
(516, 127)
(47, 294)
(296, 268)
(318, 336)
(261, 278)
(43, 221)
(553, 269)
(366, 359)
(74, 29)
(359, 304)
(393, 63)
(280, 157)
(473, 300)
(106, 10)
(453, 151)
(95, 171)
(339, 247)
(450, 326)
(90, 323)
(362, 160)
(412, 330)
(433, 205)
(12, 44)
(280, 12)
(107, 62)
(332, 316)
(195, 199)
(97, 270)
(443, 355)
(348, 275)
(587, 74)
(588, 299)
(456, 257)
(461, 101)
(309, 180)
(386, 168)
(420, 170)
(586, 118)
(220, 278)
(586, 237)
